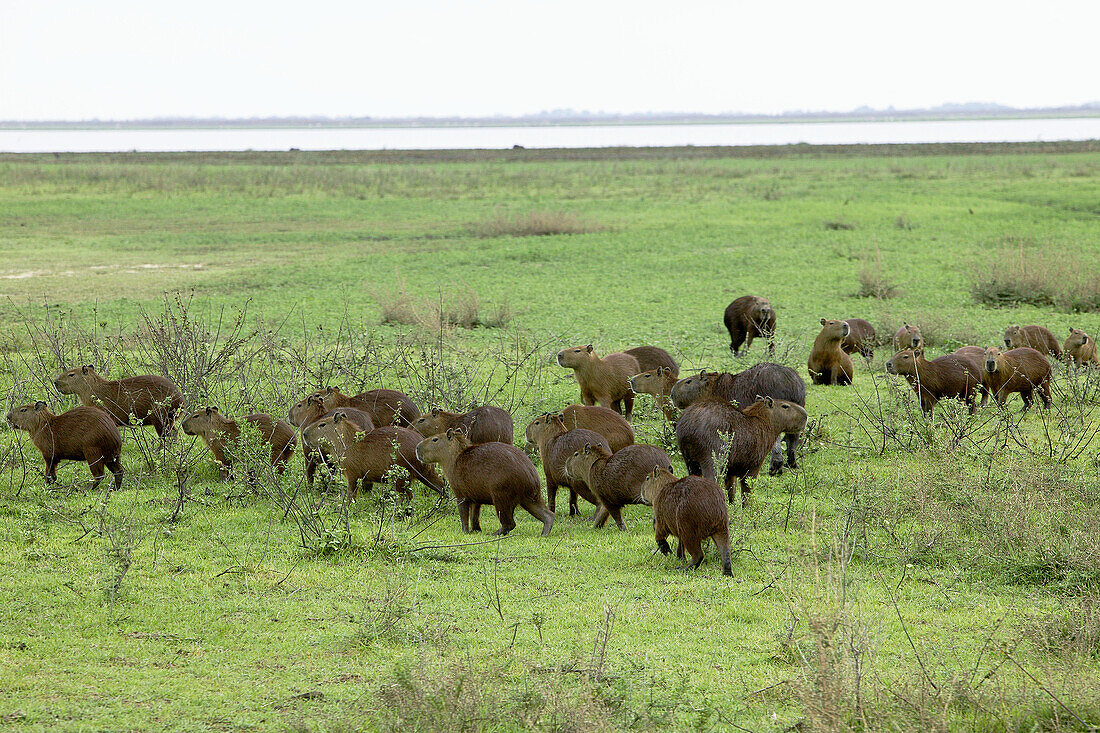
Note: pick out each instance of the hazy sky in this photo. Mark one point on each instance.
(119, 59)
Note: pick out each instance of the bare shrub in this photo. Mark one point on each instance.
(462, 310)
(1036, 276)
(533, 224)
(873, 281)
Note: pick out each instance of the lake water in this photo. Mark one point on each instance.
(549, 136)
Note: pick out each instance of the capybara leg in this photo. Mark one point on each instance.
(95, 465)
(666, 407)
(1044, 393)
(776, 466)
(737, 337)
(574, 508)
(748, 339)
(600, 518)
(628, 401)
(706, 468)
(694, 547)
(506, 515)
(541, 512)
(722, 541)
(731, 489)
(311, 468)
(353, 486)
(464, 515)
(792, 447)
(661, 535)
(114, 465)
(551, 495)
(679, 549)
(401, 486)
(475, 517)
(588, 398)
(51, 471)
(745, 491)
(1026, 397)
(616, 514)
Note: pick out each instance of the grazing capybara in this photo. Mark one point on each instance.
(690, 509)
(487, 473)
(152, 399)
(311, 409)
(385, 406)
(1033, 337)
(556, 442)
(861, 338)
(605, 381)
(828, 364)
(81, 434)
(371, 457)
(1080, 348)
(708, 426)
(608, 423)
(908, 337)
(221, 435)
(615, 479)
(659, 383)
(1022, 370)
(651, 357)
(946, 377)
(486, 424)
(748, 317)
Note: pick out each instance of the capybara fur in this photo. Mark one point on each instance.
(651, 357)
(82, 434)
(946, 377)
(1080, 348)
(486, 424)
(1033, 337)
(828, 364)
(312, 409)
(222, 434)
(556, 442)
(149, 398)
(1022, 370)
(974, 356)
(692, 510)
(487, 473)
(748, 317)
(604, 382)
(860, 338)
(659, 383)
(608, 423)
(616, 479)
(908, 337)
(385, 406)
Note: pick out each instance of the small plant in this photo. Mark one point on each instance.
(533, 224)
(839, 225)
(873, 282)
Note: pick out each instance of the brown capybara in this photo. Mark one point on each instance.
(312, 409)
(556, 442)
(690, 509)
(748, 317)
(385, 406)
(1022, 370)
(152, 399)
(659, 383)
(487, 473)
(605, 381)
(81, 434)
(608, 423)
(974, 356)
(651, 357)
(1033, 337)
(372, 457)
(946, 377)
(486, 424)
(1080, 348)
(615, 479)
(908, 337)
(712, 427)
(860, 338)
(221, 435)
(828, 364)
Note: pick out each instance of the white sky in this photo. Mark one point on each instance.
(123, 59)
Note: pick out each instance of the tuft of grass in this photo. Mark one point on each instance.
(464, 310)
(839, 225)
(533, 224)
(904, 223)
(1039, 277)
(873, 282)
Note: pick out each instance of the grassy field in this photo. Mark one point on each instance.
(911, 575)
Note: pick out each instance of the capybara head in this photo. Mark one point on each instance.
(655, 483)
(909, 337)
(576, 356)
(835, 329)
(1077, 339)
(1013, 337)
(761, 310)
(73, 381)
(325, 430)
(436, 448)
(203, 421)
(651, 382)
(904, 362)
(28, 417)
(536, 427)
(431, 423)
(993, 356)
(687, 389)
(786, 417)
(578, 464)
(307, 410)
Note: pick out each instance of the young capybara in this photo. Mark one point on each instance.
(1022, 370)
(692, 510)
(659, 383)
(312, 409)
(486, 424)
(712, 427)
(1080, 349)
(861, 338)
(487, 473)
(908, 337)
(748, 317)
(828, 364)
(556, 442)
(615, 479)
(946, 377)
(371, 457)
(152, 399)
(605, 381)
(221, 435)
(81, 434)
(385, 406)
(651, 357)
(1033, 337)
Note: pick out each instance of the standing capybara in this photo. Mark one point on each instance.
(659, 383)
(487, 473)
(1022, 370)
(748, 317)
(608, 423)
(82, 434)
(690, 509)
(946, 377)
(556, 442)
(908, 337)
(1080, 348)
(312, 409)
(486, 424)
(861, 338)
(385, 406)
(222, 435)
(828, 364)
(1033, 337)
(605, 381)
(651, 357)
(615, 479)
(152, 399)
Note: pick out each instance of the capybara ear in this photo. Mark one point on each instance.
(329, 390)
(313, 400)
(338, 416)
(209, 410)
(587, 448)
(39, 405)
(906, 325)
(918, 352)
(84, 369)
(435, 412)
(823, 321)
(769, 402)
(588, 348)
(656, 471)
(663, 371)
(450, 433)
(560, 416)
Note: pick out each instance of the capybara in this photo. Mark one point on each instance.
(608, 423)
(556, 442)
(1033, 337)
(385, 406)
(221, 435)
(371, 457)
(908, 337)
(487, 473)
(690, 509)
(748, 317)
(1080, 348)
(659, 383)
(1022, 370)
(946, 377)
(861, 338)
(152, 399)
(605, 381)
(311, 409)
(486, 424)
(651, 357)
(82, 434)
(974, 356)
(615, 479)
(828, 364)
(708, 426)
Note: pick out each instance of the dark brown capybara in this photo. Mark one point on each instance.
(908, 337)
(81, 434)
(615, 479)
(828, 364)
(1022, 370)
(1033, 337)
(652, 357)
(659, 383)
(487, 473)
(608, 423)
(860, 338)
(222, 434)
(485, 424)
(556, 442)
(149, 398)
(385, 406)
(945, 377)
(605, 381)
(745, 437)
(372, 457)
(692, 510)
(748, 317)
(312, 409)
(1080, 349)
